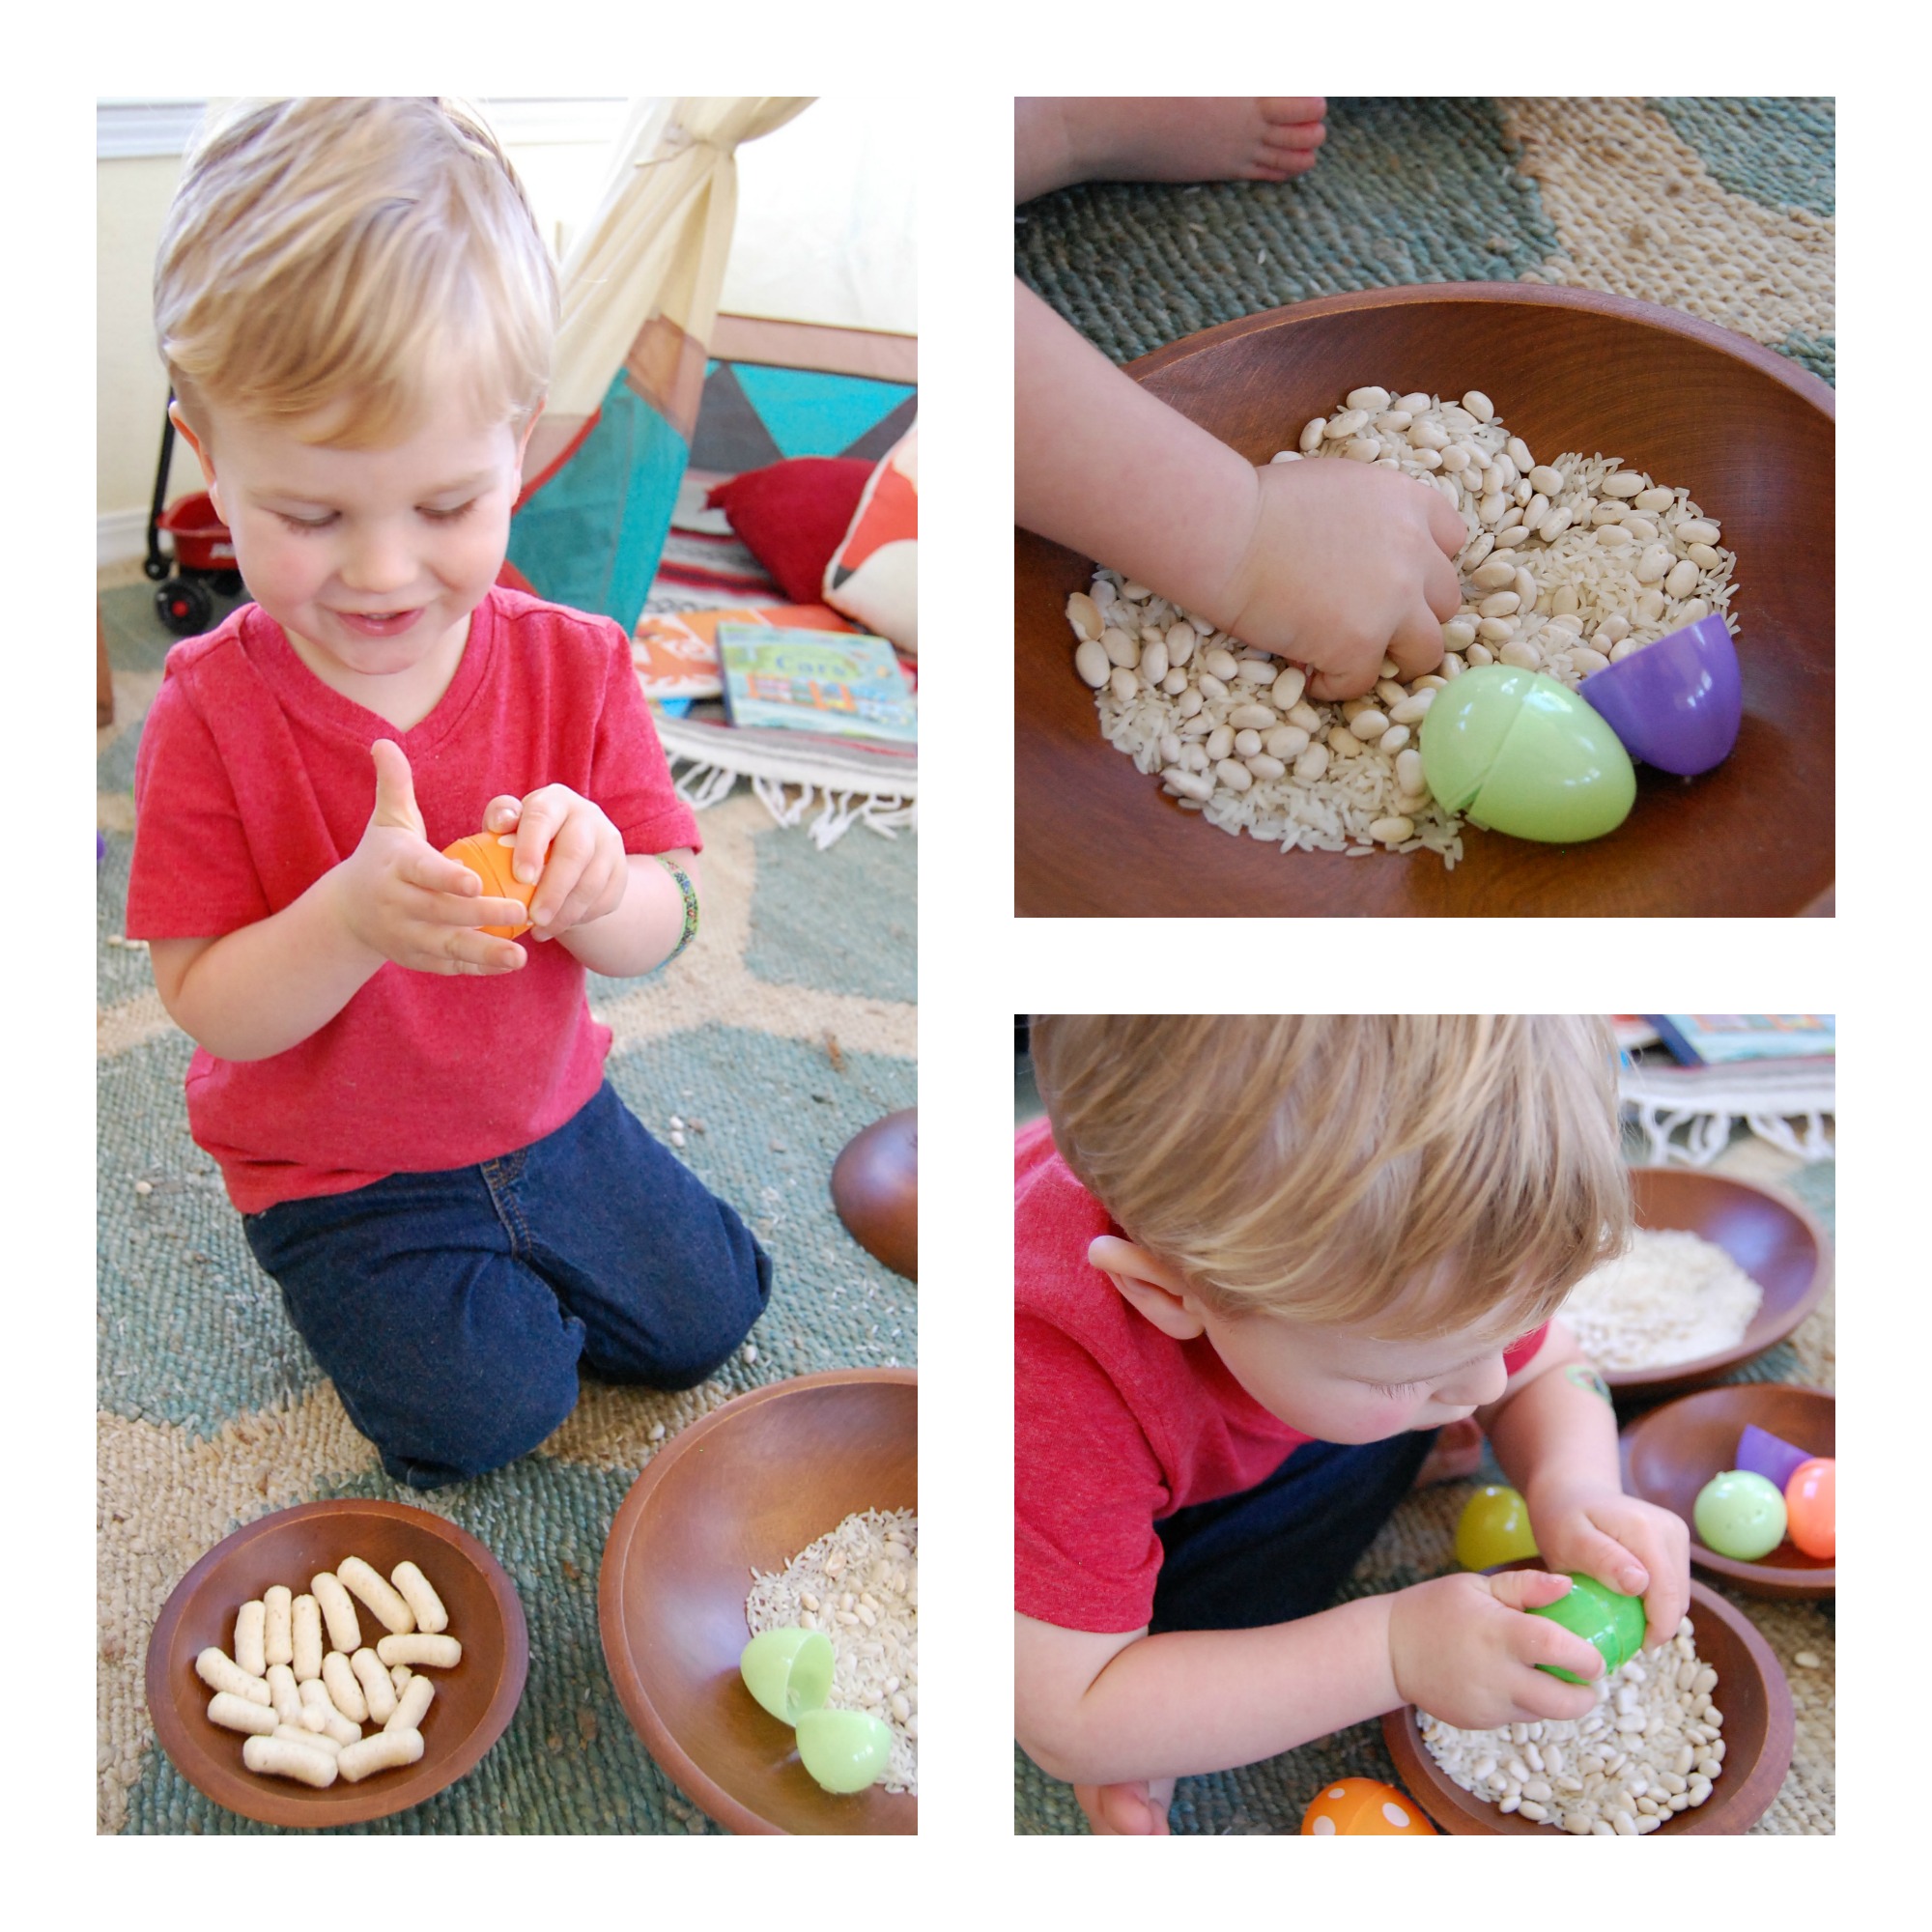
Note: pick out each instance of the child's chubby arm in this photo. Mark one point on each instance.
(620, 913)
(263, 988)
(1109, 1709)
(1555, 1434)
(1332, 564)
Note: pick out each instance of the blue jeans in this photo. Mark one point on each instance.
(1284, 1548)
(452, 1309)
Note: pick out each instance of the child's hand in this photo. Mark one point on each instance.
(575, 851)
(1460, 1648)
(399, 897)
(1626, 1545)
(1348, 565)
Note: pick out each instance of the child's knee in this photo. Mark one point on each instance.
(699, 1336)
(487, 1425)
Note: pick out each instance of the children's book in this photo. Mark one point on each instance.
(1725, 1040)
(847, 686)
(676, 651)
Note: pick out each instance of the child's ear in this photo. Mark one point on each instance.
(1149, 1285)
(203, 455)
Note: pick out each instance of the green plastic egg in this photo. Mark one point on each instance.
(1740, 1514)
(788, 1671)
(844, 1750)
(1606, 1618)
(1520, 753)
(1493, 1529)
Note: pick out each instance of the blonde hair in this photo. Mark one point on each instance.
(348, 255)
(1413, 1174)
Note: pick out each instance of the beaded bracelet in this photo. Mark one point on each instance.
(690, 893)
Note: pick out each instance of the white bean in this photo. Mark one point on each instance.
(1121, 650)
(1391, 831)
(1084, 614)
(277, 1634)
(250, 1627)
(221, 1673)
(1187, 783)
(240, 1714)
(414, 1700)
(1311, 434)
(1124, 684)
(345, 1690)
(378, 1692)
(1285, 741)
(1682, 579)
(1368, 724)
(1265, 767)
(1696, 531)
(1236, 777)
(1479, 405)
(283, 1693)
(279, 1757)
(378, 1753)
(1180, 641)
(1311, 764)
(1624, 483)
(1090, 662)
(319, 1712)
(443, 1652)
(305, 1634)
(1153, 661)
(345, 1633)
(1219, 662)
(1220, 741)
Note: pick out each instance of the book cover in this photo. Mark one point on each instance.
(1723, 1039)
(676, 652)
(790, 680)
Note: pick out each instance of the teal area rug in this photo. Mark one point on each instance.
(1725, 207)
(786, 1029)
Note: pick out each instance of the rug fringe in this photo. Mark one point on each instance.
(703, 785)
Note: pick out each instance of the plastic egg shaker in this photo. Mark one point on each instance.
(1360, 1807)
(1600, 1616)
(1740, 1514)
(1493, 1529)
(1676, 703)
(1517, 751)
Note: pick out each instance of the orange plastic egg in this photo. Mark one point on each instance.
(1359, 1807)
(1811, 1507)
(489, 854)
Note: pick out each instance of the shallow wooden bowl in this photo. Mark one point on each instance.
(747, 1488)
(1758, 1730)
(474, 1702)
(1780, 1244)
(1670, 1454)
(1748, 434)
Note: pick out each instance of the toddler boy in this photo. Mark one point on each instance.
(1260, 1261)
(356, 312)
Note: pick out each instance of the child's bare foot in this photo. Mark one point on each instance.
(1455, 1452)
(1058, 142)
(1136, 1810)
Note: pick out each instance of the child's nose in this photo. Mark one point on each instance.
(377, 562)
(1479, 1384)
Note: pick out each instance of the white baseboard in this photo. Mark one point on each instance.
(121, 537)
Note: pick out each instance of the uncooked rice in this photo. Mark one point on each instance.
(1589, 605)
(859, 1583)
(1651, 1747)
(1671, 1296)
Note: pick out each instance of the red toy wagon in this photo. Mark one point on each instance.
(204, 559)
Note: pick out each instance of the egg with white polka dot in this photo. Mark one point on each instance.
(1360, 1807)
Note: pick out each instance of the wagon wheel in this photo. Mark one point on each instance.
(185, 606)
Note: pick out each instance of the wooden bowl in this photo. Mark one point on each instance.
(1669, 1454)
(747, 1488)
(1779, 1244)
(1758, 1730)
(1745, 430)
(875, 1189)
(474, 1702)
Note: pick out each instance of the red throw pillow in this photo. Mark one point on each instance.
(793, 515)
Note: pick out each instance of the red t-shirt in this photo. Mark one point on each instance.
(1116, 1424)
(254, 777)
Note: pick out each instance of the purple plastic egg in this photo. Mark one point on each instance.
(1675, 705)
(1769, 1456)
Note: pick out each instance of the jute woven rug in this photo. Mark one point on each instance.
(785, 1027)
(1418, 1541)
(1724, 207)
